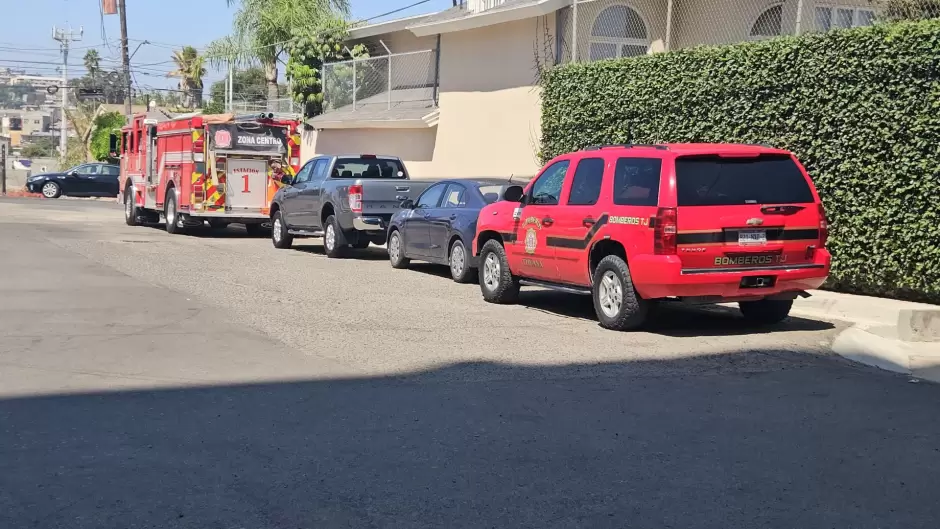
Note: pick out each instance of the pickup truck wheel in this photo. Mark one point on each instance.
(173, 224)
(496, 280)
(130, 208)
(459, 263)
(766, 311)
(396, 251)
(333, 241)
(279, 235)
(616, 302)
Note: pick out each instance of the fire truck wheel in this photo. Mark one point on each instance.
(279, 234)
(130, 208)
(333, 240)
(173, 224)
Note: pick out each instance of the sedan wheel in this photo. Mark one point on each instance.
(50, 190)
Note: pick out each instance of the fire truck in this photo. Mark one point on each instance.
(193, 168)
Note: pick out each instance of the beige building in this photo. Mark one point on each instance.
(455, 93)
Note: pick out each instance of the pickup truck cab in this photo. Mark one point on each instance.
(633, 224)
(348, 200)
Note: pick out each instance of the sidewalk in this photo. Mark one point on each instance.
(894, 335)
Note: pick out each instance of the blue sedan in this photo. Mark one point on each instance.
(439, 226)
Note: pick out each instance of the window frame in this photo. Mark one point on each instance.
(654, 193)
(832, 8)
(437, 204)
(619, 42)
(310, 163)
(463, 196)
(529, 196)
(574, 175)
(755, 20)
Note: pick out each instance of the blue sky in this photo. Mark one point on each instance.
(27, 31)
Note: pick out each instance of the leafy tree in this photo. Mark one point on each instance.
(38, 149)
(92, 62)
(308, 54)
(911, 9)
(249, 86)
(111, 83)
(190, 69)
(264, 29)
(104, 125)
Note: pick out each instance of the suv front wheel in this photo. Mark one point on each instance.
(616, 302)
(496, 280)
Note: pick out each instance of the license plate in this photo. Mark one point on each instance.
(752, 237)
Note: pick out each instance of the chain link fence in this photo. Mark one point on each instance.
(604, 29)
(384, 82)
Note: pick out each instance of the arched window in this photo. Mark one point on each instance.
(618, 31)
(768, 24)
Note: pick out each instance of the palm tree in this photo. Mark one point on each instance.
(190, 68)
(92, 62)
(263, 30)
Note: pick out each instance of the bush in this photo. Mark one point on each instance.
(859, 107)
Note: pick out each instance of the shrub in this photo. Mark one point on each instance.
(859, 107)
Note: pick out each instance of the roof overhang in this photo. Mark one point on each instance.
(381, 28)
(416, 121)
(489, 17)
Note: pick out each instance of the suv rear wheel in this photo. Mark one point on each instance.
(616, 302)
(766, 311)
(496, 280)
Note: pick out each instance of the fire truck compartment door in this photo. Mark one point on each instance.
(246, 182)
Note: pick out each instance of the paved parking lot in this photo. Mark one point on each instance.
(209, 380)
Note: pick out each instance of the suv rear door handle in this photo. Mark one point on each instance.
(548, 221)
(588, 221)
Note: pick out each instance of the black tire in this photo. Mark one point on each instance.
(766, 311)
(498, 286)
(333, 244)
(51, 190)
(396, 253)
(130, 208)
(171, 214)
(631, 311)
(253, 230)
(458, 259)
(279, 235)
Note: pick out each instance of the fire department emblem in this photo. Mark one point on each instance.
(223, 139)
(531, 226)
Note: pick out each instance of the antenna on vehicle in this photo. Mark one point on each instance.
(510, 177)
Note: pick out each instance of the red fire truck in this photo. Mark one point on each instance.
(195, 168)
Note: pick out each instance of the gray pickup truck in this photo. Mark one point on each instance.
(348, 200)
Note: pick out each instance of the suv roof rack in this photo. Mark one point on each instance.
(626, 146)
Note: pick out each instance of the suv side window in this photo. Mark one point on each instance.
(431, 196)
(305, 172)
(636, 181)
(586, 183)
(546, 190)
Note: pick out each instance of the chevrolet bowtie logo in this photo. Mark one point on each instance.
(755, 222)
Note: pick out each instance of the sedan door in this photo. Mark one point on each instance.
(416, 225)
(440, 223)
(106, 182)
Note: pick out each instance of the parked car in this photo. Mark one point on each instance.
(631, 224)
(86, 180)
(440, 225)
(348, 200)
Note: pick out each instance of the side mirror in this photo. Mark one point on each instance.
(113, 145)
(407, 204)
(513, 194)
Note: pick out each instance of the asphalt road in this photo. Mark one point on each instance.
(211, 381)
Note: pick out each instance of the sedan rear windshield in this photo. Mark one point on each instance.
(717, 181)
(358, 167)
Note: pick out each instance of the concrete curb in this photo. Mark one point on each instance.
(897, 336)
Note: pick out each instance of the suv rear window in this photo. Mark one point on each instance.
(357, 167)
(717, 181)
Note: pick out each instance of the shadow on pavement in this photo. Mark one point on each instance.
(372, 253)
(695, 442)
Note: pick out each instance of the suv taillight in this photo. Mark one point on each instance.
(664, 232)
(355, 198)
(823, 226)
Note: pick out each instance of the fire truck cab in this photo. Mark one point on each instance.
(195, 168)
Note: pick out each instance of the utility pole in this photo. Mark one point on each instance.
(3, 168)
(125, 60)
(65, 38)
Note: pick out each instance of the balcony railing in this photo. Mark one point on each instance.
(385, 82)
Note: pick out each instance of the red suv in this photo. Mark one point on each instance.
(632, 224)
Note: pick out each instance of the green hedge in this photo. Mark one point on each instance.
(859, 107)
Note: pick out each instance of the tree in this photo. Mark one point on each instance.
(190, 69)
(39, 149)
(911, 9)
(263, 30)
(249, 86)
(92, 63)
(308, 54)
(104, 125)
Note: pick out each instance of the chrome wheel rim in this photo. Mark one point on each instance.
(610, 294)
(457, 260)
(330, 237)
(276, 230)
(394, 247)
(49, 190)
(171, 212)
(491, 272)
(128, 205)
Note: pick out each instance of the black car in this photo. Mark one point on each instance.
(440, 225)
(86, 180)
